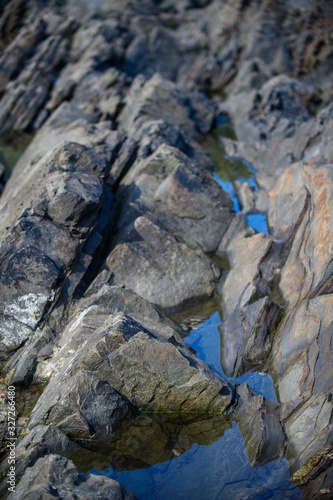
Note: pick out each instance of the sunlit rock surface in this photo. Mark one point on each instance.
(114, 217)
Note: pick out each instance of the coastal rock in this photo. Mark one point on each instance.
(125, 217)
(159, 98)
(141, 54)
(305, 282)
(28, 93)
(316, 477)
(194, 206)
(302, 348)
(308, 430)
(183, 197)
(151, 262)
(154, 133)
(150, 372)
(245, 256)
(44, 235)
(41, 441)
(66, 124)
(273, 126)
(247, 336)
(96, 307)
(259, 422)
(56, 475)
(84, 407)
(112, 300)
(19, 51)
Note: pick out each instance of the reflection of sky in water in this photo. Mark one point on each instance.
(230, 169)
(205, 340)
(258, 222)
(219, 471)
(222, 470)
(229, 188)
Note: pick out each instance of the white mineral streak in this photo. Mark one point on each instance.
(13, 332)
(28, 309)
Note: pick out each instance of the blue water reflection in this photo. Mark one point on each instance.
(219, 471)
(258, 222)
(206, 341)
(228, 187)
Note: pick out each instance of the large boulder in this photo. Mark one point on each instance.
(85, 407)
(151, 373)
(182, 195)
(150, 261)
(55, 475)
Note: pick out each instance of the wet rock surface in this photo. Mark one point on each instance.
(55, 475)
(248, 336)
(114, 218)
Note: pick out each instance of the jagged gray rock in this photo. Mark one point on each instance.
(150, 372)
(41, 441)
(43, 235)
(259, 421)
(151, 262)
(182, 196)
(55, 475)
(248, 334)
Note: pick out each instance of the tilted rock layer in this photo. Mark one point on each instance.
(113, 218)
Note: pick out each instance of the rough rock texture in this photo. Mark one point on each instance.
(247, 336)
(259, 421)
(308, 430)
(150, 261)
(113, 214)
(193, 115)
(239, 287)
(42, 236)
(56, 476)
(42, 440)
(150, 372)
(85, 406)
(182, 197)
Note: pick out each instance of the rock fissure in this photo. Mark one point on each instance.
(113, 218)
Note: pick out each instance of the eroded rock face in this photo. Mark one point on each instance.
(151, 262)
(151, 373)
(239, 287)
(159, 98)
(42, 236)
(183, 197)
(56, 475)
(309, 430)
(101, 232)
(247, 336)
(41, 441)
(259, 421)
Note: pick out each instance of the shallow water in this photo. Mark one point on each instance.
(228, 170)
(207, 341)
(207, 459)
(219, 471)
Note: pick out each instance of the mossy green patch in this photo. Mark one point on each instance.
(11, 149)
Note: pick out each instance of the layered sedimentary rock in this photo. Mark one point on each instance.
(112, 219)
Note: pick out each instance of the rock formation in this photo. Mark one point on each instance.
(113, 220)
